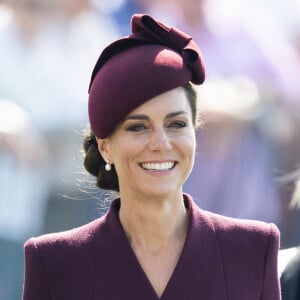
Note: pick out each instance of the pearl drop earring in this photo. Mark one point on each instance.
(108, 166)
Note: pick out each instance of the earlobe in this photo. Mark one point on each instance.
(103, 148)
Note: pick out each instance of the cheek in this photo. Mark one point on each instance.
(123, 152)
(190, 141)
(187, 146)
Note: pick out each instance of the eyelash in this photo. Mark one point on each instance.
(140, 127)
(136, 127)
(178, 124)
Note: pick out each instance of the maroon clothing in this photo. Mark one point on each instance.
(222, 258)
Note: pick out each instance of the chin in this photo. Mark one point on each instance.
(161, 191)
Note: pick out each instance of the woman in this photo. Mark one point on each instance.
(154, 242)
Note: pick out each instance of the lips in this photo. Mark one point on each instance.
(164, 166)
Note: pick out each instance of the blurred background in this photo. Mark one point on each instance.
(248, 153)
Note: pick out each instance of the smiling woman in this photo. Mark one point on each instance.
(95, 163)
(158, 142)
(154, 242)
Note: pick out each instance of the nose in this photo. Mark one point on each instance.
(160, 141)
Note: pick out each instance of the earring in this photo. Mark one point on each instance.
(108, 166)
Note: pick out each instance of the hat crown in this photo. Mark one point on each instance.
(155, 58)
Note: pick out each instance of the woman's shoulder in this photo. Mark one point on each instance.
(75, 237)
(231, 225)
(61, 260)
(249, 251)
(243, 233)
(241, 227)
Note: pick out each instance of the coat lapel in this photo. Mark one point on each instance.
(118, 273)
(199, 273)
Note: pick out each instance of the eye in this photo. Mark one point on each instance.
(177, 124)
(136, 127)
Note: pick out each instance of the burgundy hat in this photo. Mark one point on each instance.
(130, 71)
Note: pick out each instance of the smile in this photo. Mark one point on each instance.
(165, 166)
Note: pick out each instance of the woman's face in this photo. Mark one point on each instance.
(153, 148)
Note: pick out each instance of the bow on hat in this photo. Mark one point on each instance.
(147, 30)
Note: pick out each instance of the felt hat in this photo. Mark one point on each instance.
(152, 60)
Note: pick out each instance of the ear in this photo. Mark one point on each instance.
(103, 147)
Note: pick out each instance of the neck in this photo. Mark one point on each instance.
(153, 225)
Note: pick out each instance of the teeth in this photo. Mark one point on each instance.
(158, 166)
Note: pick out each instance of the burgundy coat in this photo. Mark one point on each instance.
(223, 258)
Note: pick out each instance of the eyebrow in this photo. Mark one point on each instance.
(145, 117)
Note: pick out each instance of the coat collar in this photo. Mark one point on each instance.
(199, 273)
